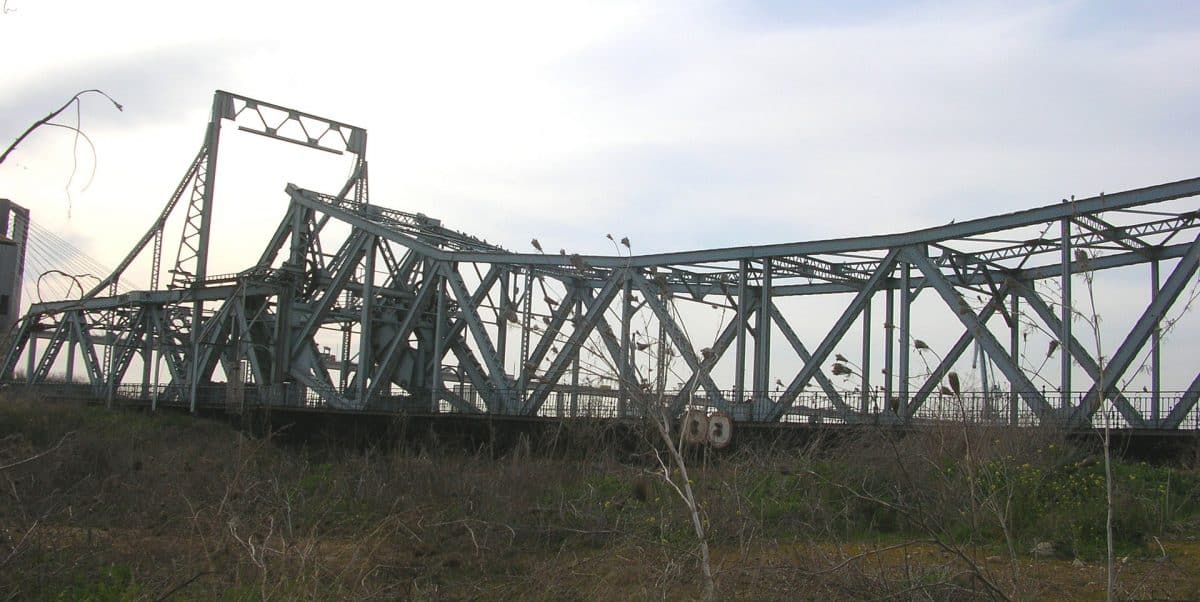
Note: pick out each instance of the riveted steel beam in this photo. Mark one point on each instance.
(798, 346)
(833, 337)
(594, 315)
(1079, 352)
(681, 341)
(947, 360)
(1105, 387)
(979, 331)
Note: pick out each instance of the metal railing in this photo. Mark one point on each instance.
(812, 407)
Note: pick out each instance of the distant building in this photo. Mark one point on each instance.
(14, 232)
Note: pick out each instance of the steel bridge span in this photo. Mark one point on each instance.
(352, 306)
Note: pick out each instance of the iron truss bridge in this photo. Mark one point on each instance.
(353, 306)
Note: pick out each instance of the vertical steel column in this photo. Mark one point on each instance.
(147, 351)
(154, 318)
(70, 359)
(279, 351)
(439, 328)
(110, 354)
(983, 377)
(660, 369)
(905, 336)
(739, 368)
(211, 141)
(1066, 306)
(365, 361)
(194, 361)
(866, 357)
(889, 345)
(344, 354)
(31, 361)
(235, 379)
(281, 360)
(1014, 346)
(623, 370)
(108, 319)
(576, 321)
(1155, 358)
(762, 339)
(502, 325)
(154, 391)
(526, 316)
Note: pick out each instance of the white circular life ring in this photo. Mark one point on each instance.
(720, 430)
(695, 427)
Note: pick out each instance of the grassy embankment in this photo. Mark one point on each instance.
(119, 505)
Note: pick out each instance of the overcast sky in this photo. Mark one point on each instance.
(680, 125)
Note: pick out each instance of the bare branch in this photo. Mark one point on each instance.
(38, 455)
(46, 120)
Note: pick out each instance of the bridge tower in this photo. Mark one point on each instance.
(14, 234)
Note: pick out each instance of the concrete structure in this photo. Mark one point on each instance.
(14, 234)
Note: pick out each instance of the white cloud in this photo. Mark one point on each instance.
(563, 112)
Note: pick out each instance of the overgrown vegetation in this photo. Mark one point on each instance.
(119, 506)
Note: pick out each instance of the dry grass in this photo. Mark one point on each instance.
(128, 506)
